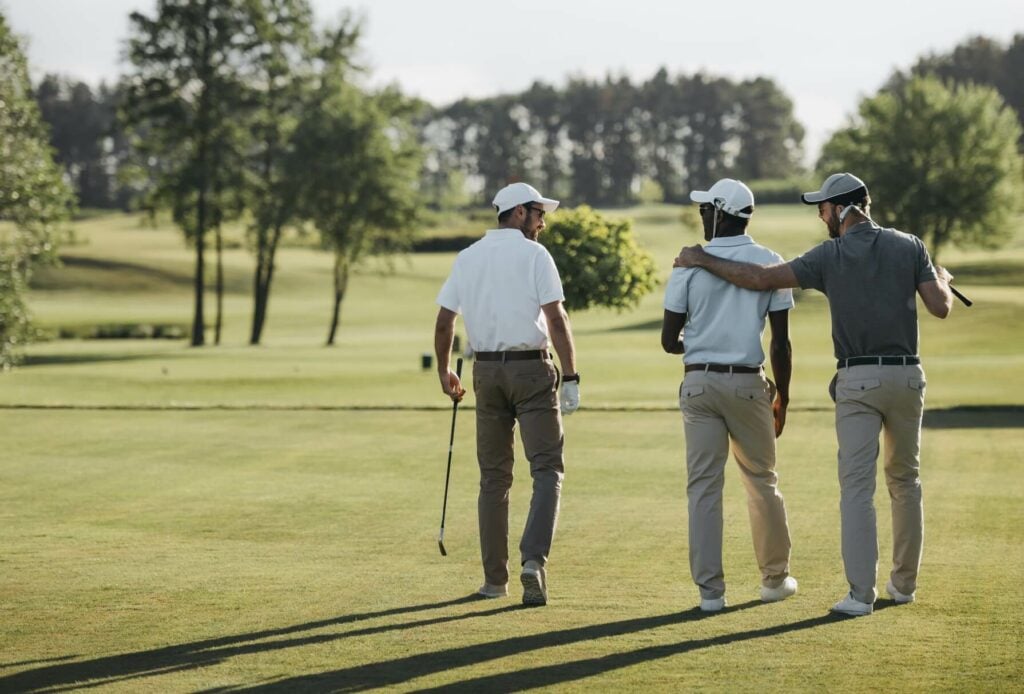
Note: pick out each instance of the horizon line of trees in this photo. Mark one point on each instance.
(243, 110)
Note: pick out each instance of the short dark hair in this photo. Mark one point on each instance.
(731, 224)
(857, 196)
(503, 216)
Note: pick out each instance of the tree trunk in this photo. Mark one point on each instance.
(198, 329)
(261, 284)
(341, 266)
(220, 284)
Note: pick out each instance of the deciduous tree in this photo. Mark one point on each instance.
(941, 163)
(34, 200)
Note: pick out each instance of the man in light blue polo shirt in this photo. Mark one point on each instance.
(725, 395)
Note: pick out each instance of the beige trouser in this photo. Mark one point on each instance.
(718, 407)
(870, 399)
(526, 391)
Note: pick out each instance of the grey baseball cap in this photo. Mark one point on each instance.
(835, 186)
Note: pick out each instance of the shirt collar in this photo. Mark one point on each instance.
(866, 225)
(741, 240)
(505, 234)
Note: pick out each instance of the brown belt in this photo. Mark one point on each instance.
(520, 355)
(723, 368)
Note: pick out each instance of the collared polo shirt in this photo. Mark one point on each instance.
(870, 276)
(724, 323)
(499, 285)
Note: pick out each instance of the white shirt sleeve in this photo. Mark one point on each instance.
(549, 284)
(782, 299)
(676, 291)
(448, 297)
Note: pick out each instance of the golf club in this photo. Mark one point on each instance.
(957, 294)
(448, 472)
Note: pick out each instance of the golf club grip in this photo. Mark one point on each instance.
(959, 295)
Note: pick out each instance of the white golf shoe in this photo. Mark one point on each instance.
(853, 607)
(712, 604)
(780, 592)
(535, 584)
(898, 597)
(489, 591)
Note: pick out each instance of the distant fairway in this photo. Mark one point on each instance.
(176, 519)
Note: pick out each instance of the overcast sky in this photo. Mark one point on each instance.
(825, 55)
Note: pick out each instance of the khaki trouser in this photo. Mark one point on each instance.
(718, 407)
(526, 391)
(870, 399)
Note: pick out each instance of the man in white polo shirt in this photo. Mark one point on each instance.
(508, 290)
(725, 395)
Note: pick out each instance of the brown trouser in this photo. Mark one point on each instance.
(872, 399)
(526, 391)
(717, 407)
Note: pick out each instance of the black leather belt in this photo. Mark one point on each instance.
(723, 368)
(878, 361)
(521, 355)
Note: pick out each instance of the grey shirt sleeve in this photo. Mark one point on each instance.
(809, 268)
(924, 269)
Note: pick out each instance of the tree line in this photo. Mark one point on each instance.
(246, 111)
(601, 142)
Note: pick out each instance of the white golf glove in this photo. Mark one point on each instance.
(570, 400)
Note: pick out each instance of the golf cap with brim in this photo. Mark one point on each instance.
(729, 195)
(520, 194)
(835, 186)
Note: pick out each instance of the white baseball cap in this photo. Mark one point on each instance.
(728, 195)
(520, 194)
(835, 186)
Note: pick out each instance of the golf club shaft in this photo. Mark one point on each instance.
(957, 294)
(451, 445)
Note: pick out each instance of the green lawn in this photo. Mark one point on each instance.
(176, 519)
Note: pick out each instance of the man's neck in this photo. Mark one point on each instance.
(852, 220)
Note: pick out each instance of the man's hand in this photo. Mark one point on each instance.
(779, 414)
(570, 399)
(689, 256)
(451, 385)
(942, 274)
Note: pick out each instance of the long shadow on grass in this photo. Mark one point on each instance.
(401, 670)
(190, 656)
(976, 417)
(96, 357)
(548, 675)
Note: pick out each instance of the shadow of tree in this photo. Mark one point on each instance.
(976, 417)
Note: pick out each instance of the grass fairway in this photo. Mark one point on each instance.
(239, 518)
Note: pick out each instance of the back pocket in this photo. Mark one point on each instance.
(858, 386)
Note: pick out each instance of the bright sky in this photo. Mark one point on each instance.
(825, 55)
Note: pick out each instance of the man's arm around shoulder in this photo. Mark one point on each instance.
(746, 275)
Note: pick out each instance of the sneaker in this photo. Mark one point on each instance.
(780, 592)
(489, 591)
(712, 604)
(853, 607)
(898, 597)
(535, 585)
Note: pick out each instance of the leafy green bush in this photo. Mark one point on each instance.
(598, 259)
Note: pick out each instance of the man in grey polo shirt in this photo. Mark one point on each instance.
(870, 276)
(725, 395)
(508, 290)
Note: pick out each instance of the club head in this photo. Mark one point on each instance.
(440, 546)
